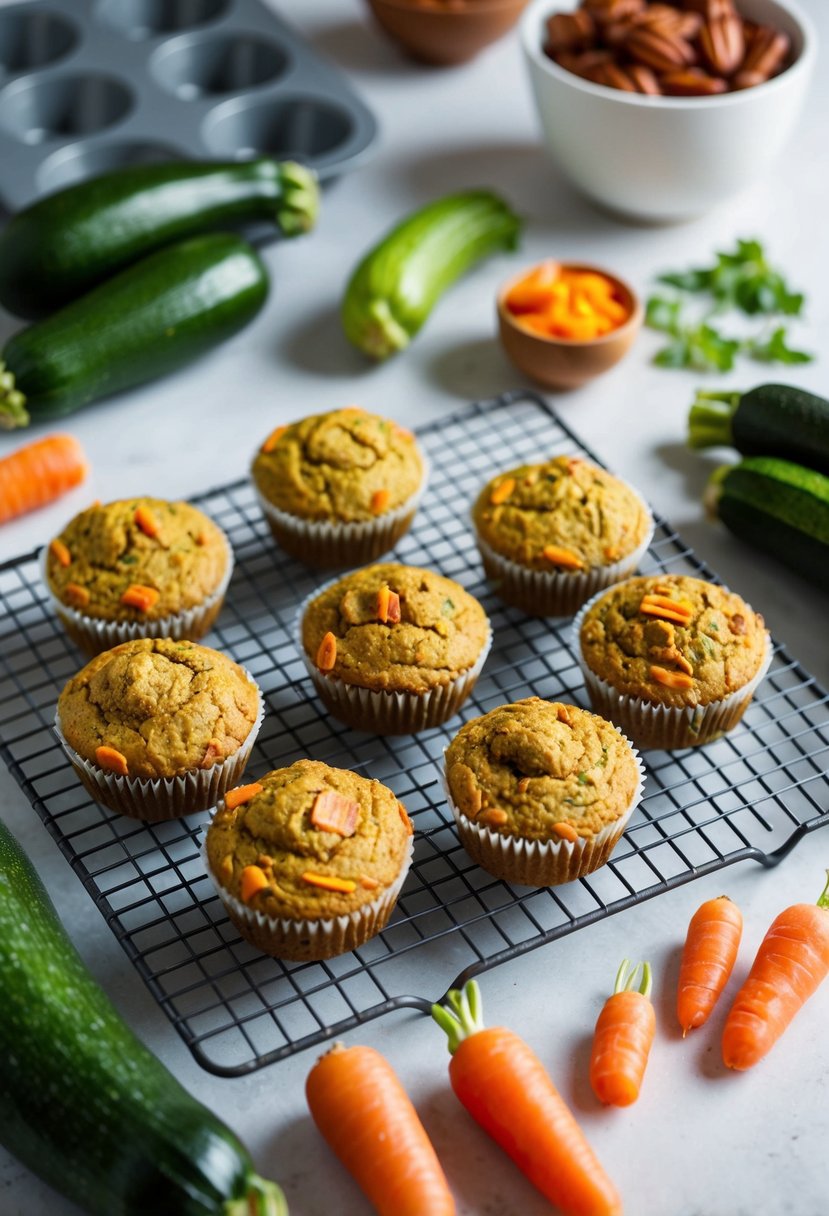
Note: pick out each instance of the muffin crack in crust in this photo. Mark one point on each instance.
(523, 769)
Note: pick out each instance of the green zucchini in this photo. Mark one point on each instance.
(770, 420)
(151, 318)
(779, 507)
(60, 247)
(82, 1102)
(398, 282)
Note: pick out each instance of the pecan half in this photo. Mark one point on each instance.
(644, 79)
(663, 53)
(722, 44)
(766, 51)
(571, 31)
(691, 82)
(711, 9)
(613, 10)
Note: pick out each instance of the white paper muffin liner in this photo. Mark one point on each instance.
(558, 593)
(331, 543)
(388, 713)
(94, 636)
(155, 799)
(542, 863)
(311, 940)
(653, 725)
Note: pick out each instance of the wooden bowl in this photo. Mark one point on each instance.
(446, 35)
(561, 362)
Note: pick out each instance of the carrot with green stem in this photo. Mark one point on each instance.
(623, 1037)
(708, 958)
(506, 1089)
(791, 963)
(368, 1120)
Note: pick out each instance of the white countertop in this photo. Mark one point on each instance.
(700, 1141)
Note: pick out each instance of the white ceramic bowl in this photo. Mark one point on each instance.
(663, 159)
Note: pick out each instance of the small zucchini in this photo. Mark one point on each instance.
(60, 247)
(779, 507)
(770, 420)
(82, 1102)
(148, 320)
(398, 282)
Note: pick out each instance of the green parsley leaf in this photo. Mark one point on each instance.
(776, 350)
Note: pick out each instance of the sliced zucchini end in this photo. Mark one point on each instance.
(263, 1198)
(13, 412)
(299, 205)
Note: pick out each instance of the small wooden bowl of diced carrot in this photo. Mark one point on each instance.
(562, 323)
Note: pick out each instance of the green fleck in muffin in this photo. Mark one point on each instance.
(541, 791)
(339, 488)
(673, 660)
(158, 728)
(309, 860)
(140, 567)
(553, 534)
(394, 649)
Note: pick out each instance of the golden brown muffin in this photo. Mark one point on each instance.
(552, 534)
(147, 713)
(413, 638)
(541, 790)
(309, 844)
(672, 659)
(339, 488)
(138, 562)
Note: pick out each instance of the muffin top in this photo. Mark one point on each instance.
(163, 707)
(565, 515)
(394, 628)
(346, 465)
(541, 770)
(137, 559)
(673, 639)
(324, 840)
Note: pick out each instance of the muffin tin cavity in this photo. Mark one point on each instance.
(73, 164)
(89, 85)
(32, 38)
(63, 107)
(150, 18)
(217, 64)
(297, 128)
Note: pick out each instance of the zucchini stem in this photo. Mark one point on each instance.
(709, 420)
(13, 412)
(263, 1198)
(300, 198)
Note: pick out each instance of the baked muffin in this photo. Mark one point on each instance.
(339, 488)
(140, 567)
(672, 660)
(394, 649)
(158, 728)
(309, 860)
(541, 791)
(553, 534)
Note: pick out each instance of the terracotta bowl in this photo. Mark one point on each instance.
(446, 35)
(561, 362)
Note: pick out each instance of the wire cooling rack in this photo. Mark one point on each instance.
(752, 794)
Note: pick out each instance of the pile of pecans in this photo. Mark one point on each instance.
(688, 48)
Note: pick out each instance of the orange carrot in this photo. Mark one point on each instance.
(708, 958)
(366, 1117)
(623, 1038)
(505, 1087)
(791, 963)
(38, 473)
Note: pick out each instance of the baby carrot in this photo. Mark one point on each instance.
(505, 1087)
(38, 473)
(366, 1117)
(707, 960)
(623, 1037)
(791, 963)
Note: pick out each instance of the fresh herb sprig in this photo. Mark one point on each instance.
(740, 281)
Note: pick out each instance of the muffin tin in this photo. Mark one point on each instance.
(752, 794)
(90, 85)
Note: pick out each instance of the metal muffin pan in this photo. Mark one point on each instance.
(89, 85)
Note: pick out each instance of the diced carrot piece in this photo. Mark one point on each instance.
(146, 521)
(327, 653)
(76, 595)
(273, 439)
(60, 552)
(140, 597)
(241, 794)
(380, 500)
(562, 557)
(333, 812)
(407, 823)
(671, 679)
(502, 491)
(329, 883)
(495, 817)
(370, 884)
(112, 760)
(565, 830)
(533, 290)
(251, 881)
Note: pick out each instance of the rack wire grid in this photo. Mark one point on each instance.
(752, 794)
